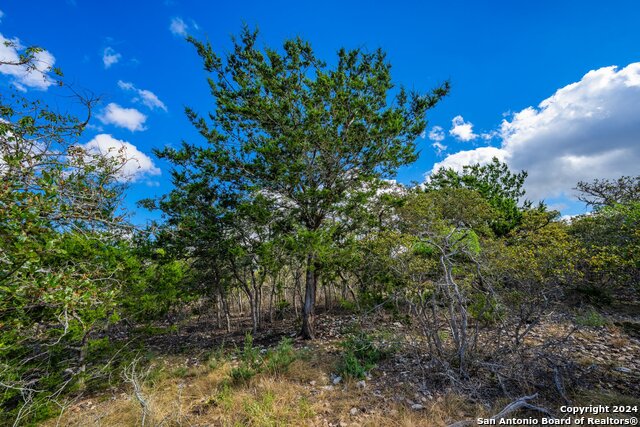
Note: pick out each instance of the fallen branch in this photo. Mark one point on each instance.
(131, 376)
(521, 403)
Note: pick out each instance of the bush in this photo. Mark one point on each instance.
(361, 354)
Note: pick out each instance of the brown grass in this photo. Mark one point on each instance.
(304, 396)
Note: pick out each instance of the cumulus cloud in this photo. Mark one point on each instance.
(136, 165)
(128, 118)
(25, 76)
(482, 155)
(110, 57)
(461, 130)
(588, 129)
(178, 27)
(146, 97)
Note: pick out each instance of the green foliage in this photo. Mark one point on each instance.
(610, 238)
(486, 309)
(153, 290)
(293, 145)
(539, 253)
(279, 359)
(423, 249)
(466, 240)
(360, 354)
(501, 188)
(347, 305)
(351, 367)
(63, 255)
(591, 318)
(216, 358)
(251, 361)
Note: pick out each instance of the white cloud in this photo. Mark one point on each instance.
(1, 15)
(436, 134)
(588, 129)
(482, 155)
(136, 165)
(125, 85)
(178, 27)
(128, 118)
(488, 136)
(24, 76)
(146, 97)
(461, 130)
(440, 147)
(110, 57)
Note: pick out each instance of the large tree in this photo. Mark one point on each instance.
(312, 138)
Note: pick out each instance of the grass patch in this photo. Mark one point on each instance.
(252, 361)
(361, 354)
(591, 319)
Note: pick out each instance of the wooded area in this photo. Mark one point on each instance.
(285, 242)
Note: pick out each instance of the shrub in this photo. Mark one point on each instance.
(360, 355)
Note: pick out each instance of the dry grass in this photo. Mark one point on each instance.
(304, 396)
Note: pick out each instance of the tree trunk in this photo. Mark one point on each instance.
(225, 309)
(308, 330)
(327, 298)
(240, 307)
(218, 305)
(271, 299)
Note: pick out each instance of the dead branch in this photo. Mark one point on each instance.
(521, 403)
(132, 376)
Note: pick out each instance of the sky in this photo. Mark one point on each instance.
(551, 87)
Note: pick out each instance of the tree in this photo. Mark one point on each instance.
(605, 192)
(609, 236)
(59, 242)
(494, 181)
(315, 140)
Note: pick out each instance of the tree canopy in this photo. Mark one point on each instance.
(312, 140)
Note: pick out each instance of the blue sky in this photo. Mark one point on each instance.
(502, 57)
